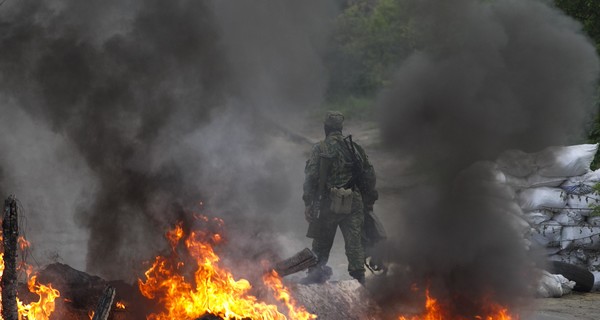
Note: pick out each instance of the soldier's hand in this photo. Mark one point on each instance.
(308, 214)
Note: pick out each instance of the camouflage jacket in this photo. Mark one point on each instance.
(340, 172)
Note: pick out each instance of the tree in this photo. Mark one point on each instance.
(587, 12)
(371, 37)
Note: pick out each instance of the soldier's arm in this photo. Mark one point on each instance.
(311, 176)
(369, 178)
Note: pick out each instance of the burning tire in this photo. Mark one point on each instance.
(584, 280)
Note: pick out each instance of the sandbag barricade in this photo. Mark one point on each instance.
(555, 189)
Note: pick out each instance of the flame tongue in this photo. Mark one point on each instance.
(214, 289)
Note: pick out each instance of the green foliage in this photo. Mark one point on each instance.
(352, 107)
(587, 12)
(595, 207)
(371, 38)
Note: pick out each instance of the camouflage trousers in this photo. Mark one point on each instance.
(351, 226)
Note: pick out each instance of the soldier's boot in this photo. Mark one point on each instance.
(359, 276)
(318, 274)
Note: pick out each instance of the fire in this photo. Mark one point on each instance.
(41, 309)
(36, 310)
(434, 311)
(213, 289)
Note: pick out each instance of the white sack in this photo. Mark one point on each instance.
(582, 184)
(584, 237)
(516, 163)
(519, 224)
(565, 161)
(594, 221)
(547, 234)
(537, 216)
(596, 286)
(570, 258)
(582, 201)
(542, 198)
(593, 262)
(553, 285)
(569, 217)
(533, 181)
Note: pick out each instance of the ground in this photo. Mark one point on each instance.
(576, 306)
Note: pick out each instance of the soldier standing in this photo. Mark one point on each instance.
(339, 188)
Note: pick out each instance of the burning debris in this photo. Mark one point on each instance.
(190, 283)
(13, 305)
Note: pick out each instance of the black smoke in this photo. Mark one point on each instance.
(489, 76)
(167, 104)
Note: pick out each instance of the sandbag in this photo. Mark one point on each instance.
(568, 257)
(583, 184)
(542, 198)
(520, 225)
(553, 285)
(547, 234)
(568, 217)
(516, 163)
(584, 201)
(565, 161)
(594, 221)
(593, 261)
(533, 181)
(585, 237)
(537, 216)
(596, 280)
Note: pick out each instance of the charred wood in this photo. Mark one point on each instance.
(298, 262)
(10, 232)
(105, 304)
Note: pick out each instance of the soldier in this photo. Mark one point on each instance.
(339, 188)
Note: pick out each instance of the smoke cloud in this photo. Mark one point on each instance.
(490, 76)
(153, 107)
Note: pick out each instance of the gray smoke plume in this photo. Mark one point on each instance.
(155, 106)
(490, 76)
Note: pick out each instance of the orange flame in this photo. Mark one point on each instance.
(37, 310)
(433, 311)
(23, 243)
(213, 290)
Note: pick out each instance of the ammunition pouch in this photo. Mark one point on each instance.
(341, 200)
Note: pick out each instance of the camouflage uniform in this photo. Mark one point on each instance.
(339, 175)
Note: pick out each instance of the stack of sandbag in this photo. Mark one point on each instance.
(555, 191)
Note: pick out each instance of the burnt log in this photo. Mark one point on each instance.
(298, 262)
(10, 233)
(105, 304)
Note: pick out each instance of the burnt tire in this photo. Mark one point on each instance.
(584, 279)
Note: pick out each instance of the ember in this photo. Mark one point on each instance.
(120, 305)
(214, 290)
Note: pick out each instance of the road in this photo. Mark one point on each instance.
(576, 306)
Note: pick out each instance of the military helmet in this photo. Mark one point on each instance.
(334, 120)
